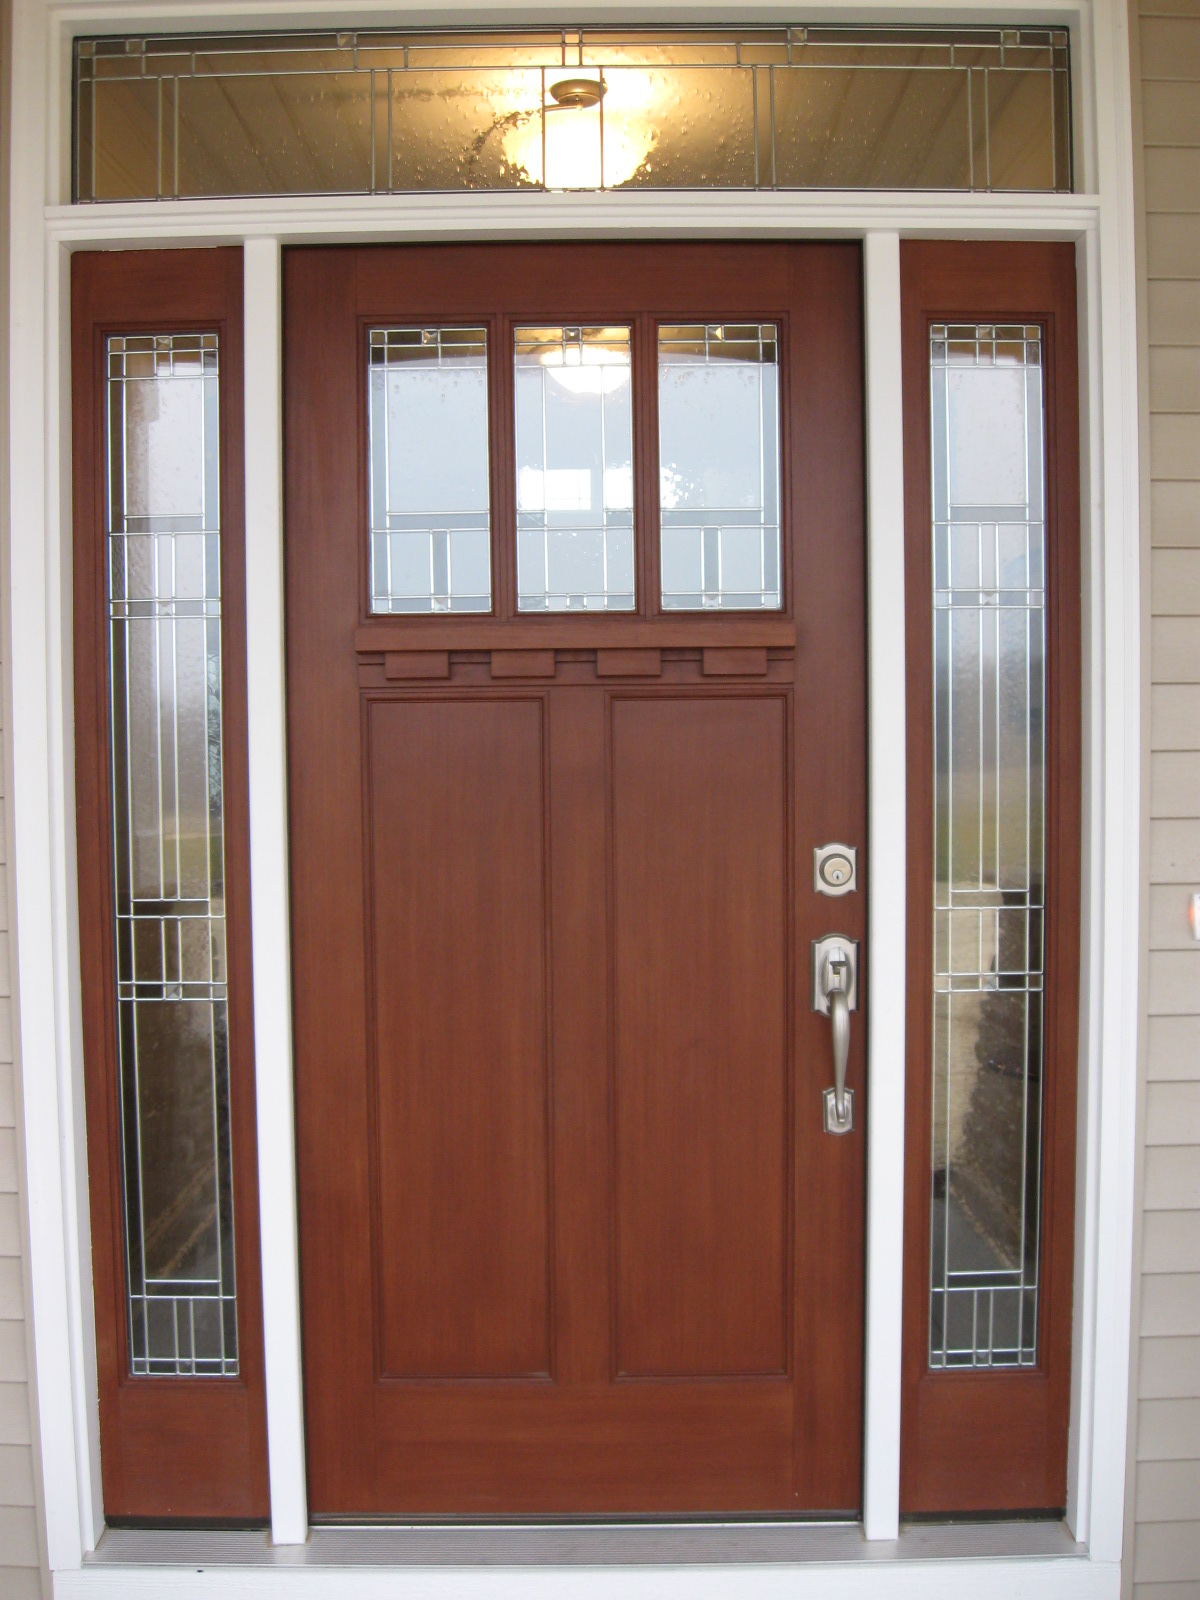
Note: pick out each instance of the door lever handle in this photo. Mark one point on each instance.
(839, 1017)
(835, 993)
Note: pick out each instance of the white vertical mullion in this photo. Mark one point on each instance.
(886, 902)
(270, 939)
(1081, 1435)
(1114, 822)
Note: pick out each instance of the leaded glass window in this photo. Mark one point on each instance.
(430, 493)
(166, 116)
(164, 620)
(989, 664)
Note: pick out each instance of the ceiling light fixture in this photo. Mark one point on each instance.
(587, 132)
(569, 94)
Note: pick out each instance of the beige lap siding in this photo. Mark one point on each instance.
(1163, 1562)
(18, 1520)
(20, 1577)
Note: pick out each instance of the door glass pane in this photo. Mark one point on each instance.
(164, 608)
(430, 500)
(989, 818)
(574, 424)
(718, 445)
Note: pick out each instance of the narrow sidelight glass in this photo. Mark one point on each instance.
(718, 447)
(574, 426)
(430, 501)
(164, 611)
(989, 676)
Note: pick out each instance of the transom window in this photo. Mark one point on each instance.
(323, 112)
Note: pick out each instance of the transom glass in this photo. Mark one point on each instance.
(389, 111)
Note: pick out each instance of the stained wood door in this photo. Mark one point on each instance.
(572, 1237)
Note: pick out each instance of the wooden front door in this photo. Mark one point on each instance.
(565, 730)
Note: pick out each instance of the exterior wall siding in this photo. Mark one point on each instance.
(1163, 1556)
(21, 1572)
(1163, 1559)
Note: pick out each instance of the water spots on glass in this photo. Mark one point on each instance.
(373, 112)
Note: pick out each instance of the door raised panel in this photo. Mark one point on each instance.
(701, 932)
(457, 883)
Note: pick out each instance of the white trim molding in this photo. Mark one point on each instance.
(1033, 1578)
(483, 215)
(665, 1561)
(36, 591)
(1104, 1212)
(269, 892)
(887, 897)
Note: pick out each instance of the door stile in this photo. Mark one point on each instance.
(324, 843)
(828, 585)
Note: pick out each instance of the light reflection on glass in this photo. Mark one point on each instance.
(767, 108)
(574, 427)
(164, 610)
(718, 431)
(989, 820)
(430, 527)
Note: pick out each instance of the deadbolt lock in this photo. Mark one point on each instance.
(835, 868)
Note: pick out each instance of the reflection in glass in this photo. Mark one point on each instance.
(989, 819)
(687, 127)
(718, 447)
(466, 130)
(574, 425)
(372, 112)
(164, 608)
(236, 134)
(858, 126)
(428, 418)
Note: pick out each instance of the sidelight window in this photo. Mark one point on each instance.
(164, 623)
(989, 821)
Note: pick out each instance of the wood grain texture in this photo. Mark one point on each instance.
(701, 920)
(994, 1440)
(178, 1448)
(572, 1239)
(400, 664)
(459, 998)
(743, 663)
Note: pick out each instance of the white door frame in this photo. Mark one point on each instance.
(39, 743)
